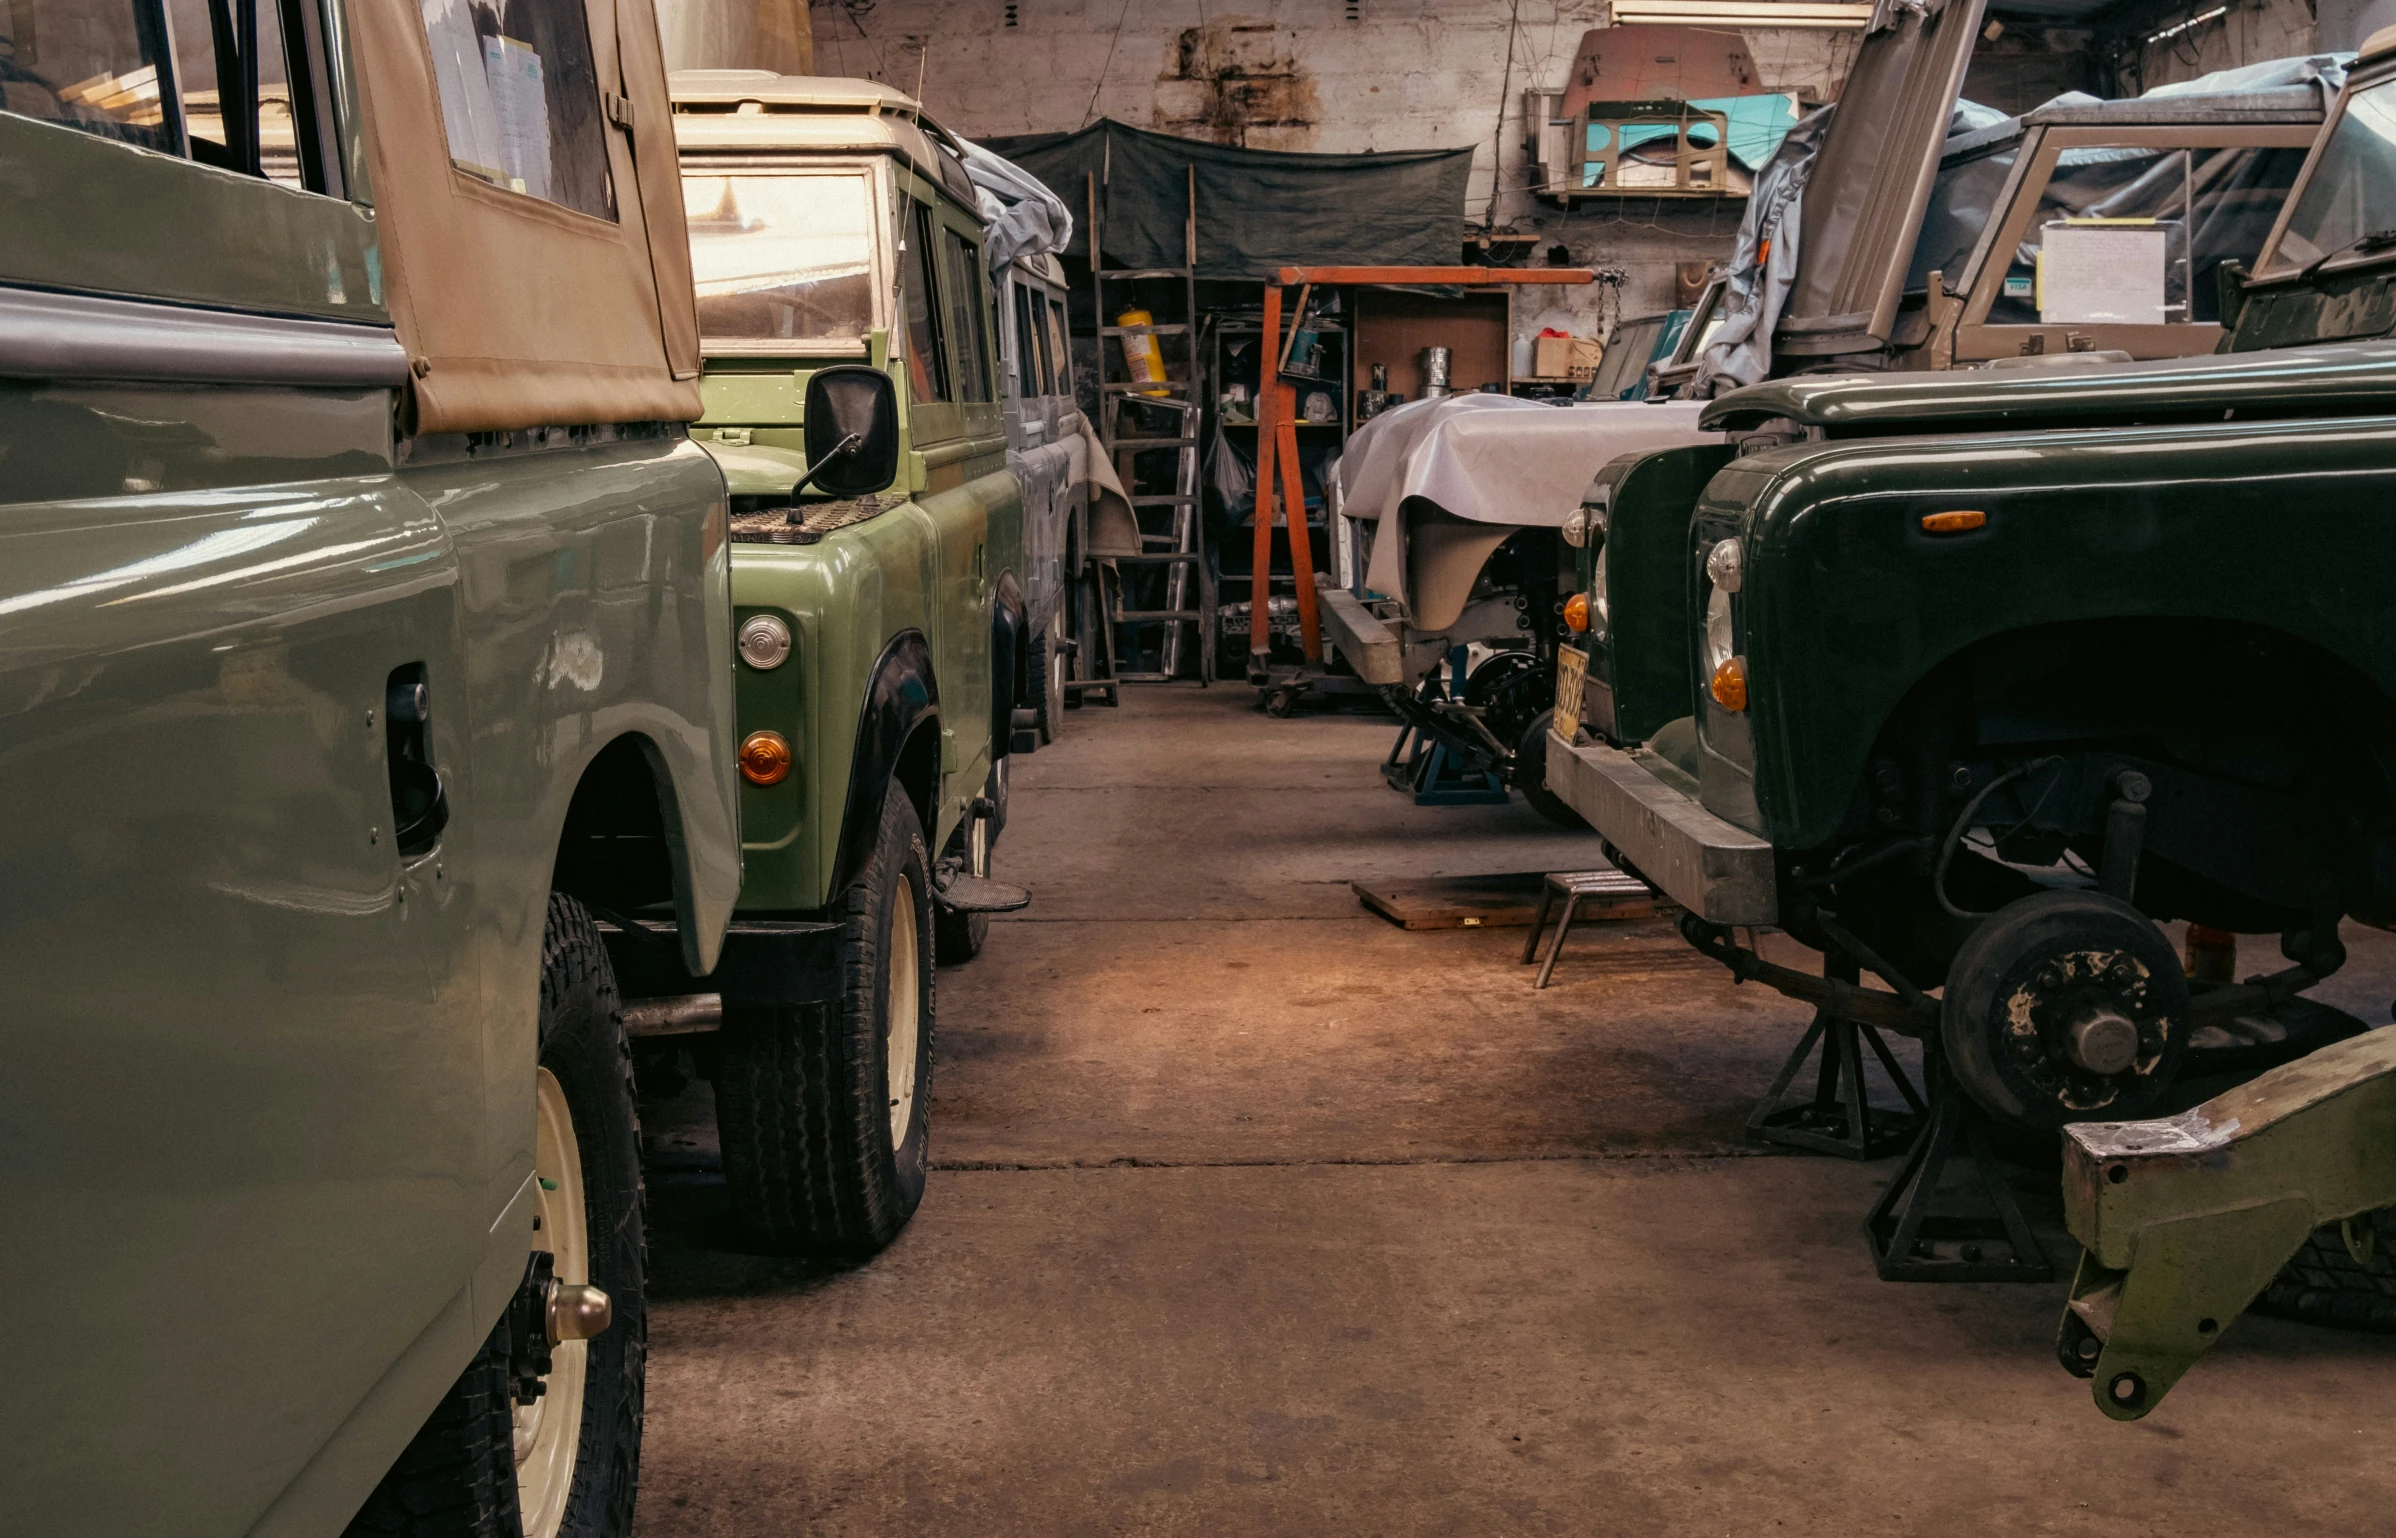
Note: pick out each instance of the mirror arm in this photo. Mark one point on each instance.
(841, 450)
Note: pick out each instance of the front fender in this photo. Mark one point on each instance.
(1848, 603)
(901, 695)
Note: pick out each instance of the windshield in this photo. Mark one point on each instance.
(783, 255)
(2112, 242)
(2352, 191)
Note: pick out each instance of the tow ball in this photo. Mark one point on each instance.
(545, 1314)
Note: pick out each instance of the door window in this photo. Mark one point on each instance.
(781, 256)
(927, 361)
(520, 98)
(2348, 197)
(92, 66)
(960, 284)
(1027, 351)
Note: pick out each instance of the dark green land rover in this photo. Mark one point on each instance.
(1969, 681)
(365, 620)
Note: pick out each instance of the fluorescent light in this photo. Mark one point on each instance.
(2190, 25)
(1818, 14)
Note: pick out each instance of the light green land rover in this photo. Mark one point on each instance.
(882, 635)
(365, 613)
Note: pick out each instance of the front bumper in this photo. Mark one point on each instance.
(766, 963)
(1649, 811)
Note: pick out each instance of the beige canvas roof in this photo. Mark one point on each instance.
(517, 312)
(755, 109)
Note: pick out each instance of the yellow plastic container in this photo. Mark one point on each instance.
(1141, 357)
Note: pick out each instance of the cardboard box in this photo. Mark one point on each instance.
(1565, 357)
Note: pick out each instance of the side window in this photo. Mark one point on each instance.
(960, 273)
(1048, 360)
(1027, 357)
(1058, 346)
(232, 83)
(927, 362)
(520, 98)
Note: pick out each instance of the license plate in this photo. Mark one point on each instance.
(1572, 669)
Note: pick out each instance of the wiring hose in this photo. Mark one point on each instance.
(1963, 823)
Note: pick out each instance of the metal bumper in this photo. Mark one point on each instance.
(2187, 1218)
(766, 963)
(1721, 873)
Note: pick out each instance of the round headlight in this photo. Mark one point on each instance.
(1720, 645)
(764, 642)
(1600, 613)
(1722, 566)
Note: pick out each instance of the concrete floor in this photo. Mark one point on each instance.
(1255, 1214)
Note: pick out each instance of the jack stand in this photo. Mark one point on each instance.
(1908, 1240)
(1436, 772)
(1840, 1119)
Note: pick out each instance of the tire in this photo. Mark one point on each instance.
(825, 1145)
(2032, 969)
(567, 1465)
(961, 936)
(2324, 1284)
(1048, 656)
(1530, 776)
(457, 1477)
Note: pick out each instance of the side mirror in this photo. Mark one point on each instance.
(852, 431)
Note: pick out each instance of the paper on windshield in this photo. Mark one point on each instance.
(2103, 274)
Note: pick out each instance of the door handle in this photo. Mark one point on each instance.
(419, 799)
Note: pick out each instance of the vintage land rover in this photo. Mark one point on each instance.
(852, 392)
(365, 619)
(1971, 681)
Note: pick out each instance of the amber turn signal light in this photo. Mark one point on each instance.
(1730, 685)
(1576, 612)
(764, 758)
(1952, 523)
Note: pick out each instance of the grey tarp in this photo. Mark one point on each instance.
(1257, 209)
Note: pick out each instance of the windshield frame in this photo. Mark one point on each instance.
(1979, 340)
(880, 194)
(2359, 81)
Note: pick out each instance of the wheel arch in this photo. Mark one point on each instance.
(898, 738)
(624, 840)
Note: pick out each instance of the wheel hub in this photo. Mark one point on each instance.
(2084, 1026)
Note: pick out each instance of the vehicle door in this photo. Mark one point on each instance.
(1871, 181)
(959, 438)
(240, 1105)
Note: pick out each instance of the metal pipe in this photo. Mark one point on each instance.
(686, 1014)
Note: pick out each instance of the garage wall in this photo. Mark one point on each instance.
(736, 34)
(2248, 33)
(1329, 75)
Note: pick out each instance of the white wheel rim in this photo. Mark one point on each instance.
(899, 1043)
(549, 1430)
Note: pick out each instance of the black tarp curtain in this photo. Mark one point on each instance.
(1257, 209)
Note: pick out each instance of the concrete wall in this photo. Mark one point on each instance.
(737, 34)
(1358, 75)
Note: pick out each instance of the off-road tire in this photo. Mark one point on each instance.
(457, 1478)
(583, 1044)
(1530, 776)
(2323, 1284)
(802, 1094)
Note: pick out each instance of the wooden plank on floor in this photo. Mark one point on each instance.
(1480, 902)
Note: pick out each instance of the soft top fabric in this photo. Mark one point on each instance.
(516, 312)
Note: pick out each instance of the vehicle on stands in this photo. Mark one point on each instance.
(1946, 267)
(1977, 680)
(366, 625)
(886, 599)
